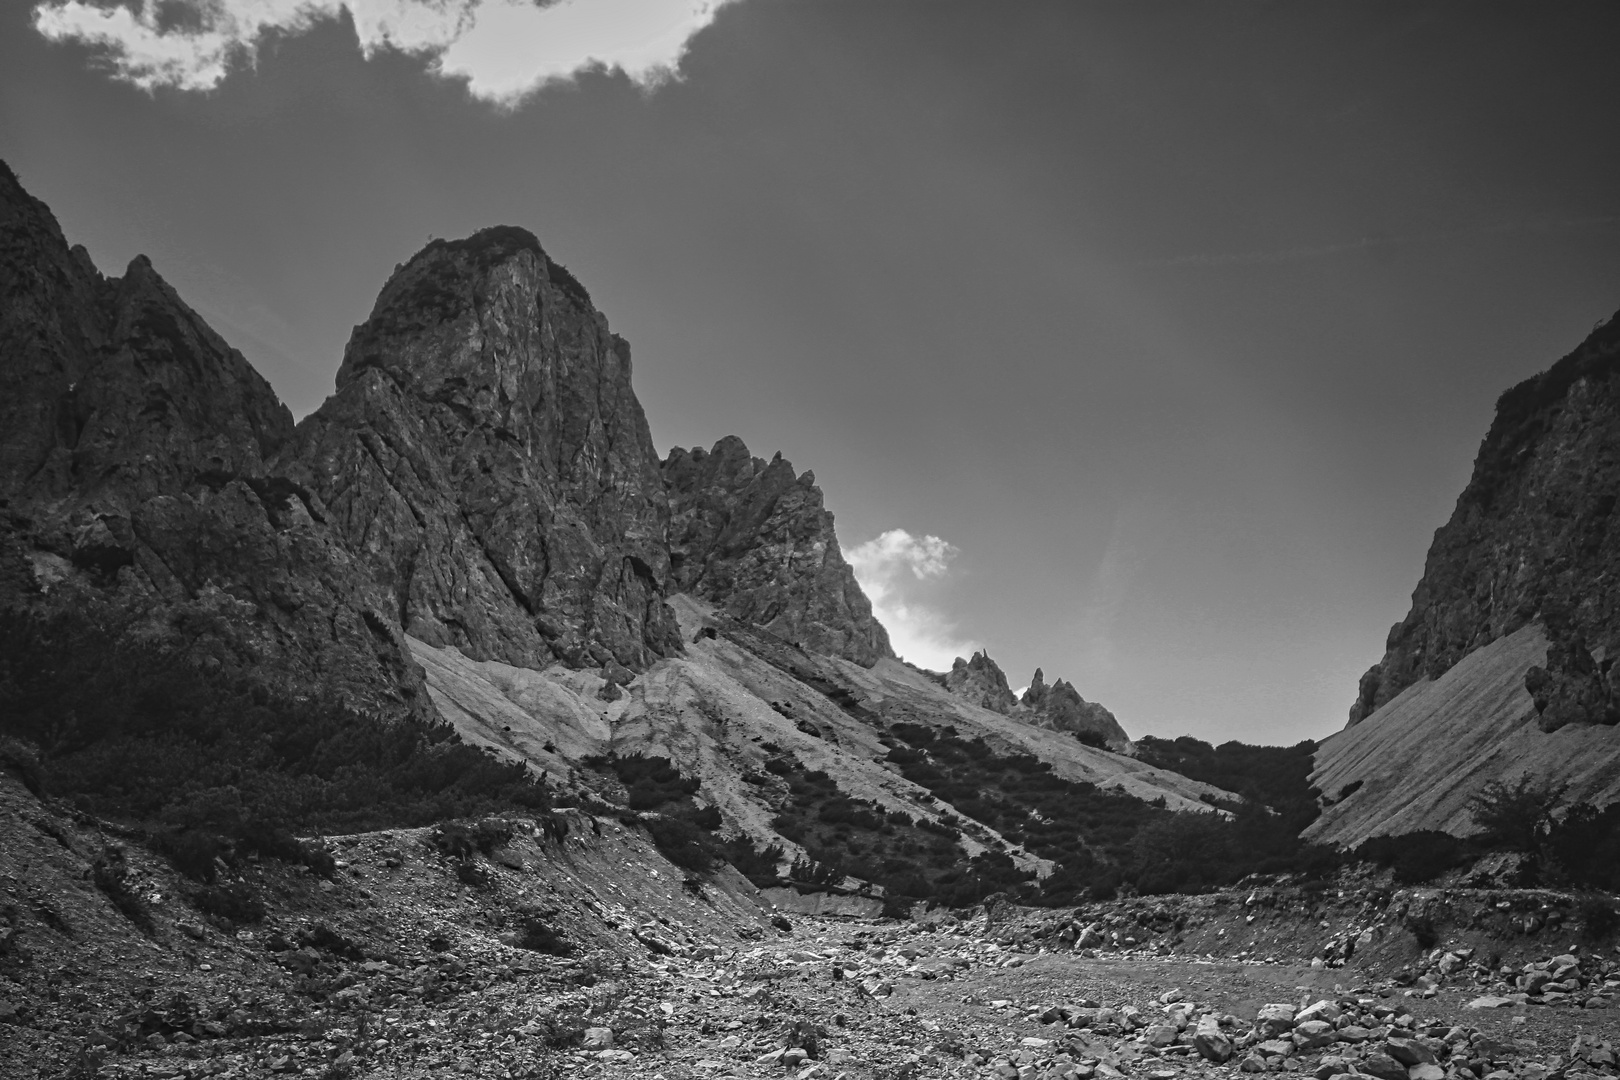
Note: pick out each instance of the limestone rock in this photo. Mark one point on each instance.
(980, 681)
(136, 489)
(1533, 538)
(755, 538)
(1061, 708)
(486, 457)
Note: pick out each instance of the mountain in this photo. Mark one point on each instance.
(469, 570)
(1505, 664)
(755, 538)
(1058, 707)
(487, 459)
(137, 489)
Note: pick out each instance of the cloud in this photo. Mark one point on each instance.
(502, 49)
(892, 569)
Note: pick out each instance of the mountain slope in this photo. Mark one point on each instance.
(1533, 538)
(1414, 764)
(474, 535)
(137, 490)
(1504, 665)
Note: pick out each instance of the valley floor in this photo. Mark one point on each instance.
(407, 963)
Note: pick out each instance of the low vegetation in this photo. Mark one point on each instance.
(1103, 841)
(213, 768)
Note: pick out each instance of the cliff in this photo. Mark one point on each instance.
(486, 458)
(136, 489)
(1533, 538)
(755, 538)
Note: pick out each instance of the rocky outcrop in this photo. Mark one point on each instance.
(133, 471)
(1061, 708)
(980, 682)
(754, 538)
(1534, 538)
(486, 458)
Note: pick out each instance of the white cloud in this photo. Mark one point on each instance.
(502, 49)
(889, 569)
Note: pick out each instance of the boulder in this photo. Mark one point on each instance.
(1408, 1051)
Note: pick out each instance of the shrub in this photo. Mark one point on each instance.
(1585, 846)
(236, 903)
(1600, 916)
(1416, 857)
(18, 757)
(1517, 817)
(681, 842)
(758, 865)
(135, 732)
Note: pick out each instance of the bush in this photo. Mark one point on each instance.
(682, 842)
(1517, 817)
(1600, 916)
(1416, 857)
(18, 757)
(758, 865)
(1585, 846)
(236, 903)
(213, 767)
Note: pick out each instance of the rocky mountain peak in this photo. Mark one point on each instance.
(981, 682)
(1061, 708)
(756, 538)
(486, 453)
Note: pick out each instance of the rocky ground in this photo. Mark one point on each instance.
(570, 947)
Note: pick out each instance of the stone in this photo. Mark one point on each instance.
(1382, 1066)
(597, 1038)
(1489, 1001)
(1212, 1045)
(1426, 1071)
(1321, 1010)
(1252, 1063)
(1409, 1052)
(1314, 1034)
(1274, 1020)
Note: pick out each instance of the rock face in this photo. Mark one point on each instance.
(1534, 537)
(755, 538)
(1061, 708)
(487, 459)
(133, 472)
(980, 682)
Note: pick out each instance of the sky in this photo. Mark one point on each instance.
(1147, 343)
